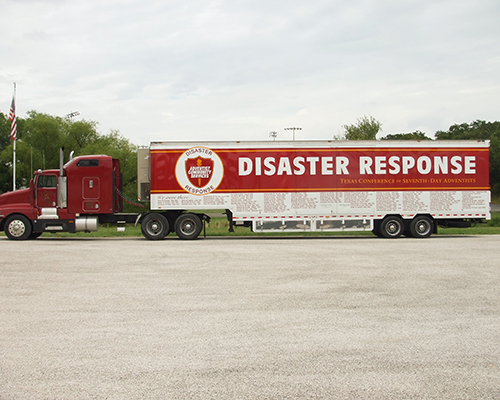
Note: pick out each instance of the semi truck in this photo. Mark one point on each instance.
(391, 188)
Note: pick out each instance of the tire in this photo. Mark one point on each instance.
(155, 226)
(392, 227)
(188, 226)
(421, 227)
(18, 227)
(377, 233)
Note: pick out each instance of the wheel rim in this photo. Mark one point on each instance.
(17, 228)
(154, 227)
(393, 228)
(188, 226)
(423, 227)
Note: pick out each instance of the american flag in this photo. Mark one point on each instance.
(12, 119)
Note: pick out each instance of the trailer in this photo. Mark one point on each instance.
(390, 188)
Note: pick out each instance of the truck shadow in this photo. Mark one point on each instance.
(232, 238)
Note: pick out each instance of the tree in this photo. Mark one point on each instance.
(117, 146)
(5, 159)
(366, 128)
(79, 134)
(417, 135)
(479, 130)
(40, 136)
(44, 134)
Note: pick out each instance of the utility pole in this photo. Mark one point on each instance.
(273, 134)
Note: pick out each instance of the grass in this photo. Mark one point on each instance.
(219, 226)
(491, 227)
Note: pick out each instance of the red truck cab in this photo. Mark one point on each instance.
(73, 198)
(92, 183)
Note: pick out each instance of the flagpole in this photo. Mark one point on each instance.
(14, 167)
(14, 138)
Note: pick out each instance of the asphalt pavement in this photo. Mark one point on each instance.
(257, 318)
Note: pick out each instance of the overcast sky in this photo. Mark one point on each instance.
(238, 69)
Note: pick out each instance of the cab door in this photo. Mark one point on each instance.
(91, 188)
(46, 191)
(91, 192)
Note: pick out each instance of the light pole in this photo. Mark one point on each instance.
(273, 134)
(293, 129)
(72, 115)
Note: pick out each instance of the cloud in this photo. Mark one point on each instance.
(160, 70)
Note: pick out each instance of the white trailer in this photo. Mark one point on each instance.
(388, 187)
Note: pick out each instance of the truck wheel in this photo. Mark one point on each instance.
(188, 226)
(392, 227)
(421, 227)
(155, 226)
(18, 227)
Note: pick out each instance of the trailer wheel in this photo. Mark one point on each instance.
(392, 227)
(17, 227)
(155, 226)
(421, 227)
(188, 226)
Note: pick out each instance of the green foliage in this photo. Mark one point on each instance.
(40, 136)
(4, 130)
(44, 134)
(495, 220)
(479, 130)
(80, 134)
(5, 159)
(117, 146)
(366, 128)
(417, 135)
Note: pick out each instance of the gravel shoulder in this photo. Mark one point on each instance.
(256, 318)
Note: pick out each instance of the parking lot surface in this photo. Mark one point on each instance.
(258, 318)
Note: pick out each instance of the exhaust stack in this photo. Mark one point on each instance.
(62, 183)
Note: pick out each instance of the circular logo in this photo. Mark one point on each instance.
(199, 170)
